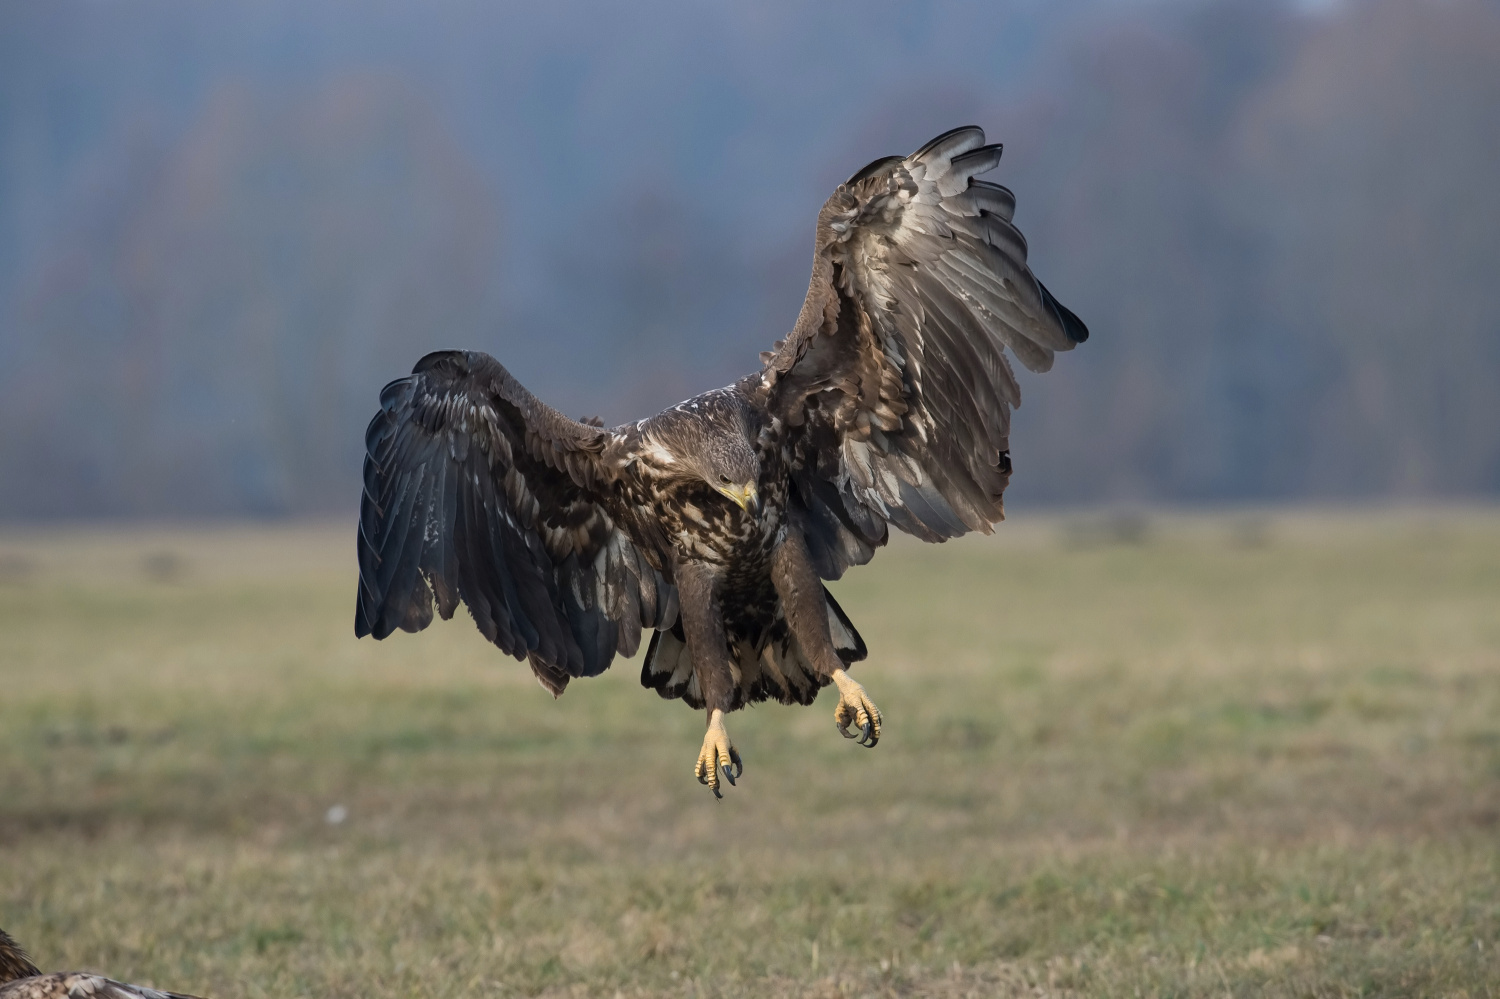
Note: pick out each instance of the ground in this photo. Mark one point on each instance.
(1246, 754)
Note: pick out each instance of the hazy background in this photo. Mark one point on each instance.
(224, 226)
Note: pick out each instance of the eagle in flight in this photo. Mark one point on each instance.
(715, 522)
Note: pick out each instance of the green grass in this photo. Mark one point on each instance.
(1186, 756)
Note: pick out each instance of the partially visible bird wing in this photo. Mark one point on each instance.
(475, 490)
(895, 382)
(14, 963)
(78, 985)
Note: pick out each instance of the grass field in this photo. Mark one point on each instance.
(1235, 755)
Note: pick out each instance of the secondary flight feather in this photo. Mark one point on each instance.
(713, 524)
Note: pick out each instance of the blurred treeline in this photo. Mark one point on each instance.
(224, 226)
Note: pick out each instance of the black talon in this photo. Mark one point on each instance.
(715, 789)
(844, 731)
(866, 732)
(728, 773)
(739, 765)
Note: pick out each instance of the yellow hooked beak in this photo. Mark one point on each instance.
(745, 497)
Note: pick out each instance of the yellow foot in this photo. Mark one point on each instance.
(855, 706)
(717, 756)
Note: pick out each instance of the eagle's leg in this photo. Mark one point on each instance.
(703, 626)
(718, 755)
(801, 593)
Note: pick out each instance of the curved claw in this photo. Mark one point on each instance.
(856, 708)
(718, 761)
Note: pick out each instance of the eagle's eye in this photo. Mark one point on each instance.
(724, 479)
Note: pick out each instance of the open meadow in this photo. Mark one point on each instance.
(1241, 754)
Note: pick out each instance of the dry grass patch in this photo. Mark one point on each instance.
(1254, 755)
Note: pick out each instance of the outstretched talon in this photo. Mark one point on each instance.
(718, 756)
(855, 706)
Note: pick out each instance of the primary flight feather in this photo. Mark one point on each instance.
(714, 522)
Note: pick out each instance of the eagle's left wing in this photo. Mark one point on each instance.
(894, 384)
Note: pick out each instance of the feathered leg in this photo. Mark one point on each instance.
(703, 626)
(801, 593)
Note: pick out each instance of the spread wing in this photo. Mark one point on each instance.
(475, 490)
(895, 383)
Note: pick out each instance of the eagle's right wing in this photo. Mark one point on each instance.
(475, 490)
(894, 384)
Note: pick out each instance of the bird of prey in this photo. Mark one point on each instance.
(715, 522)
(20, 979)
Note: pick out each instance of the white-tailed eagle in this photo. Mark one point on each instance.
(714, 523)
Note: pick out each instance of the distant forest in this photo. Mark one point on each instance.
(224, 227)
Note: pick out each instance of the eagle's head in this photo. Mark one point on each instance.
(709, 437)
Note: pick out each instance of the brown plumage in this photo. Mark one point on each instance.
(20, 979)
(714, 522)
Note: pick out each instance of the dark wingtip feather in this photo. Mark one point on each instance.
(1071, 324)
(390, 397)
(648, 675)
(981, 160)
(934, 143)
(874, 167)
(438, 357)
